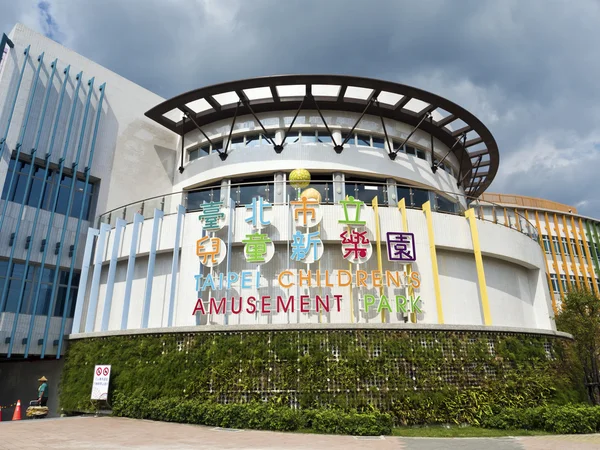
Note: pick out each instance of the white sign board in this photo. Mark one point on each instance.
(101, 380)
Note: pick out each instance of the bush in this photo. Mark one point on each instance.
(567, 419)
(259, 416)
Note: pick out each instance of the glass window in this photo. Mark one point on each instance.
(253, 188)
(324, 137)
(351, 139)
(563, 280)
(410, 150)
(378, 142)
(198, 152)
(253, 140)
(309, 137)
(420, 196)
(554, 282)
(421, 154)
(205, 195)
(443, 204)
(366, 190)
(363, 140)
(556, 244)
(573, 281)
(404, 193)
(546, 242)
(324, 186)
(217, 146)
(565, 246)
(236, 142)
(268, 139)
(293, 137)
(399, 148)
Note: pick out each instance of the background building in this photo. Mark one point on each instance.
(105, 228)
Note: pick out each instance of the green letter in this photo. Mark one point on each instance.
(413, 304)
(369, 300)
(400, 303)
(383, 303)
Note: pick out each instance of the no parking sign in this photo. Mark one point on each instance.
(101, 381)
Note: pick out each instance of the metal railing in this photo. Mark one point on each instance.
(281, 192)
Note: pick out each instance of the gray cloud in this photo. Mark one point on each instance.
(529, 70)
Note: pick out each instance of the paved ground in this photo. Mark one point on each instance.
(104, 433)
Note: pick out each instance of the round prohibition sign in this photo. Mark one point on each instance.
(105, 371)
(99, 371)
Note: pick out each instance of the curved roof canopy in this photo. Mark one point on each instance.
(457, 128)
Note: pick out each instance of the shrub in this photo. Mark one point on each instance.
(564, 419)
(261, 416)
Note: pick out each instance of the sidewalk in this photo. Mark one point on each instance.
(107, 433)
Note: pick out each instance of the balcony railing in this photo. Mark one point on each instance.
(281, 193)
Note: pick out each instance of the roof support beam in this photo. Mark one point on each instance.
(279, 148)
(369, 103)
(181, 169)
(387, 139)
(434, 167)
(467, 173)
(191, 117)
(394, 152)
(462, 130)
(213, 103)
(275, 95)
(223, 155)
(246, 103)
(474, 141)
(338, 148)
(446, 120)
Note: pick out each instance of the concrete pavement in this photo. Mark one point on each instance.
(107, 433)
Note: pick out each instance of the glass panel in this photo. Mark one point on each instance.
(63, 196)
(27, 302)
(206, 195)
(365, 191)
(351, 140)
(324, 187)
(35, 191)
(72, 303)
(12, 299)
(270, 136)
(247, 192)
(253, 140)
(6, 180)
(445, 205)
(44, 300)
(194, 154)
(3, 268)
(404, 193)
(19, 187)
(410, 150)
(309, 137)
(325, 138)
(59, 305)
(363, 140)
(398, 148)
(420, 196)
(292, 137)
(378, 142)
(218, 146)
(236, 142)
(421, 154)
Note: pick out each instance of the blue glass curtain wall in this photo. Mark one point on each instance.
(45, 187)
(33, 275)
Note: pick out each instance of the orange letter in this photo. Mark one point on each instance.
(376, 276)
(279, 279)
(415, 279)
(348, 275)
(361, 278)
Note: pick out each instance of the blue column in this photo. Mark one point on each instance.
(158, 215)
(98, 255)
(102, 90)
(39, 205)
(22, 207)
(137, 221)
(38, 286)
(14, 102)
(85, 268)
(175, 264)
(112, 269)
(63, 233)
(22, 136)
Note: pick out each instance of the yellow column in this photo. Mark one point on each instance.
(571, 257)
(517, 220)
(590, 266)
(553, 251)
(539, 229)
(581, 264)
(505, 218)
(434, 265)
(378, 241)
(411, 289)
(485, 305)
(563, 255)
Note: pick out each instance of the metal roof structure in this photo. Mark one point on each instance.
(463, 133)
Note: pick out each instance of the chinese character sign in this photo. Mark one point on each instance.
(356, 246)
(257, 216)
(352, 210)
(212, 217)
(306, 247)
(401, 247)
(211, 251)
(306, 212)
(100, 383)
(258, 248)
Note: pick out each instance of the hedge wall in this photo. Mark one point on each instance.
(417, 376)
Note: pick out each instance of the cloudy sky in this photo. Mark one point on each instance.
(529, 69)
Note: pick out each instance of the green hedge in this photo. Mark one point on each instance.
(566, 419)
(257, 416)
(419, 377)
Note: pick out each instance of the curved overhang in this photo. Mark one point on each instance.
(462, 132)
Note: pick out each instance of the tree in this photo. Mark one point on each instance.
(579, 315)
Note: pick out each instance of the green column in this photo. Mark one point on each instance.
(592, 228)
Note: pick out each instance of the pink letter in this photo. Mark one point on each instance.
(199, 307)
(252, 305)
(233, 309)
(284, 306)
(324, 304)
(338, 299)
(264, 305)
(214, 309)
(304, 303)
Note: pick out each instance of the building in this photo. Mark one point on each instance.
(570, 240)
(124, 213)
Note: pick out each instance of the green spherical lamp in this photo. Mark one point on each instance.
(300, 178)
